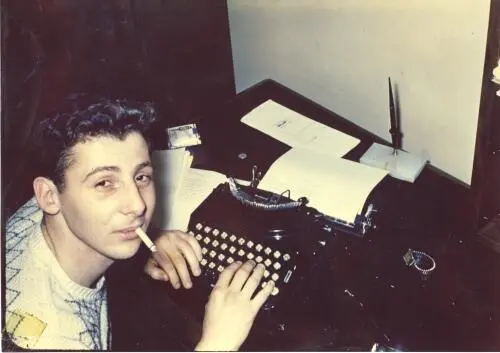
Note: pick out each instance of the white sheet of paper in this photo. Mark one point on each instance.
(169, 168)
(297, 130)
(334, 186)
(196, 185)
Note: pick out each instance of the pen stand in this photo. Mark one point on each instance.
(401, 165)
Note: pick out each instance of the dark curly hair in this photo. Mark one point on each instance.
(57, 135)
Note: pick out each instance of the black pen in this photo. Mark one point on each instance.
(394, 130)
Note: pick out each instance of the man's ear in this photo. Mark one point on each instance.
(47, 195)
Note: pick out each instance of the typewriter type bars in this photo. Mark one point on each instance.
(220, 249)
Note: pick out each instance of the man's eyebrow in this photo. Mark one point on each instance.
(101, 169)
(115, 169)
(143, 165)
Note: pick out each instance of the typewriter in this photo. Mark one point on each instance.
(238, 223)
(274, 231)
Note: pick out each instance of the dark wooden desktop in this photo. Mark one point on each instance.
(365, 293)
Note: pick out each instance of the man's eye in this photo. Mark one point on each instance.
(143, 179)
(104, 185)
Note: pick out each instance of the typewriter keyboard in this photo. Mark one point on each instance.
(220, 248)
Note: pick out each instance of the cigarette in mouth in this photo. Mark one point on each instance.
(144, 237)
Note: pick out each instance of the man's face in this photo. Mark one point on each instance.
(108, 193)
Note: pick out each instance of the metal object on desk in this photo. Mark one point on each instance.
(183, 136)
(422, 262)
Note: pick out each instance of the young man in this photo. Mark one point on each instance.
(93, 191)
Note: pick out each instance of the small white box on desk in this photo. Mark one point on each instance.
(401, 165)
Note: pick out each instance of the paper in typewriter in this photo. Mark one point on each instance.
(297, 130)
(334, 186)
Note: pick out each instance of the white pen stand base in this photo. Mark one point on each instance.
(402, 165)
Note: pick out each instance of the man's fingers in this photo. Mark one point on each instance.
(194, 245)
(178, 254)
(165, 263)
(172, 258)
(154, 271)
(190, 255)
(262, 295)
(253, 281)
(180, 265)
(241, 276)
(227, 275)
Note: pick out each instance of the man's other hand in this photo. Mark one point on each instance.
(176, 251)
(231, 308)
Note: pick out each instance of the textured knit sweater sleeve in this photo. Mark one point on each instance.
(45, 309)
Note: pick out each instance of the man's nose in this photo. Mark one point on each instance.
(134, 203)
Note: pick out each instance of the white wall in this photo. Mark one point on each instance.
(340, 53)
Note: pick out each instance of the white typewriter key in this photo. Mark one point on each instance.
(250, 256)
(203, 262)
(268, 262)
(207, 229)
(250, 244)
(263, 284)
(286, 257)
(206, 240)
(232, 249)
(232, 237)
(221, 257)
(241, 241)
(215, 243)
(230, 260)
(275, 277)
(258, 247)
(241, 252)
(191, 232)
(266, 273)
(277, 254)
(212, 253)
(223, 246)
(216, 232)
(268, 250)
(259, 258)
(198, 237)
(220, 268)
(275, 291)
(223, 235)
(277, 265)
(211, 265)
(204, 251)
(198, 226)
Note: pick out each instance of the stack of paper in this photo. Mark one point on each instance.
(169, 169)
(296, 130)
(195, 187)
(313, 168)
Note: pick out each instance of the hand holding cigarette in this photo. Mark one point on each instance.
(144, 237)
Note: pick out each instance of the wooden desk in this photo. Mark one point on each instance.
(367, 294)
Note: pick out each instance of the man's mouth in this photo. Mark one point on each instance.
(130, 229)
(129, 232)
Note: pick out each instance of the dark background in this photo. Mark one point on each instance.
(175, 53)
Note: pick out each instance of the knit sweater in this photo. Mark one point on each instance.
(45, 309)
